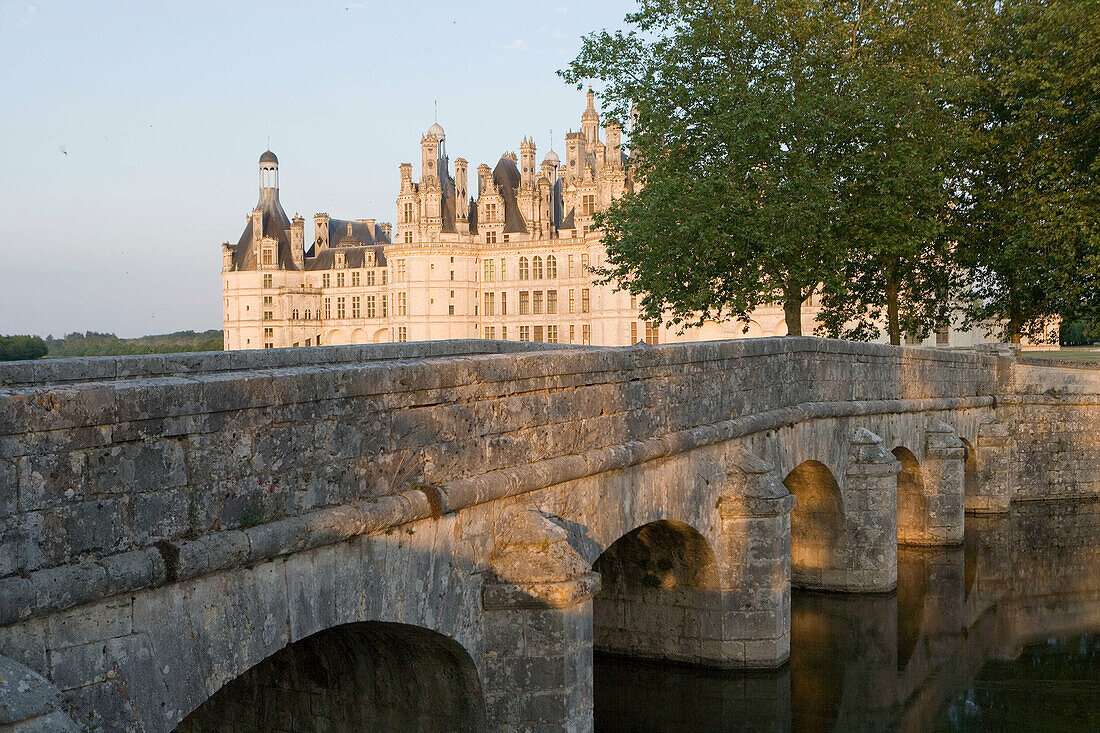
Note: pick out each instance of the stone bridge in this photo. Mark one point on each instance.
(435, 536)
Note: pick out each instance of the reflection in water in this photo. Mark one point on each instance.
(1003, 634)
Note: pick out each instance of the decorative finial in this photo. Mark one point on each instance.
(436, 113)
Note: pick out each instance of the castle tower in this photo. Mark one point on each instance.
(297, 241)
(429, 156)
(269, 175)
(590, 121)
(614, 133)
(576, 154)
(320, 232)
(527, 171)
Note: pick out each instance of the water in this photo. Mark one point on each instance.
(1002, 634)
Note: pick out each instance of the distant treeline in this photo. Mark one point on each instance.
(13, 348)
(91, 343)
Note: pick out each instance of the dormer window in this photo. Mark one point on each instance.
(269, 256)
(339, 259)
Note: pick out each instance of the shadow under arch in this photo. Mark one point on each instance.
(817, 522)
(656, 583)
(370, 675)
(912, 507)
(970, 469)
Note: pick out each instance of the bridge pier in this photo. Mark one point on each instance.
(992, 488)
(536, 668)
(943, 473)
(867, 558)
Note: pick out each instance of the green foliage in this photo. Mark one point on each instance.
(1031, 214)
(107, 344)
(776, 141)
(13, 348)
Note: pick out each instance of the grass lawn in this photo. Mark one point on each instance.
(1071, 353)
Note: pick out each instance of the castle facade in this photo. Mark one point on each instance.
(512, 262)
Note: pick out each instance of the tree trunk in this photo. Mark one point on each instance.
(792, 312)
(1015, 325)
(893, 321)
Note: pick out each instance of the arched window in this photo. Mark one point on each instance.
(551, 267)
(307, 314)
(536, 267)
(294, 314)
(524, 269)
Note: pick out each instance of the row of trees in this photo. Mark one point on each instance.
(92, 343)
(14, 348)
(902, 158)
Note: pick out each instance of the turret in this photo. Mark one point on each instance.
(576, 154)
(429, 156)
(484, 180)
(269, 173)
(227, 256)
(590, 121)
(406, 178)
(297, 241)
(614, 134)
(320, 232)
(527, 171)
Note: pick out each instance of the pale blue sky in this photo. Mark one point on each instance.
(130, 131)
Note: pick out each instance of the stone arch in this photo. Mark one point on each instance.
(751, 330)
(912, 505)
(358, 676)
(359, 336)
(657, 582)
(334, 338)
(381, 336)
(817, 521)
(780, 328)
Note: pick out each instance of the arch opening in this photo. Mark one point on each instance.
(659, 583)
(912, 505)
(817, 522)
(359, 676)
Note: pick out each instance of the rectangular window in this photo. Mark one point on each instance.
(504, 304)
(588, 204)
(585, 301)
(490, 305)
(490, 212)
(551, 334)
(490, 237)
(355, 278)
(524, 303)
(586, 334)
(326, 280)
(370, 277)
(572, 301)
(633, 302)
(309, 342)
(267, 281)
(267, 300)
(340, 308)
(408, 211)
(355, 306)
(503, 271)
(943, 335)
(371, 310)
(328, 307)
(452, 274)
(385, 306)
(489, 332)
(537, 302)
(339, 279)
(269, 346)
(488, 271)
(408, 236)
(503, 333)
(269, 257)
(524, 333)
(572, 333)
(538, 333)
(269, 316)
(385, 276)
(402, 333)
(572, 267)
(584, 265)
(269, 333)
(651, 332)
(551, 301)
(633, 332)
(402, 304)
(401, 271)
(450, 310)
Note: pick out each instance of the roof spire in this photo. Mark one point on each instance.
(435, 115)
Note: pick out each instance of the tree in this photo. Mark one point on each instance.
(13, 348)
(897, 195)
(1030, 230)
(766, 135)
